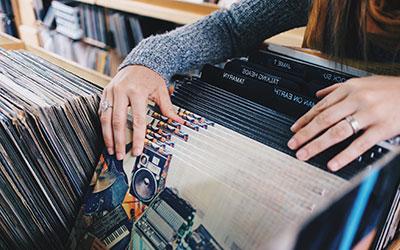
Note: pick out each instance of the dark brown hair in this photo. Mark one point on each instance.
(338, 28)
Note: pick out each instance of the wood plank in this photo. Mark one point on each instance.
(92, 2)
(291, 38)
(395, 244)
(9, 42)
(94, 43)
(27, 13)
(29, 34)
(168, 10)
(87, 74)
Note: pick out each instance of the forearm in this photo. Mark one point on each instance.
(222, 35)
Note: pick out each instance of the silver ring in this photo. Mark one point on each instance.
(104, 105)
(355, 126)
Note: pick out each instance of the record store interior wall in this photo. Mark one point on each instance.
(96, 34)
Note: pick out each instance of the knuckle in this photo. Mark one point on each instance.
(118, 123)
(350, 83)
(308, 117)
(109, 88)
(338, 131)
(108, 140)
(133, 90)
(346, 157)
(304, 119)
(321, 105)
(366, 96)
(315, 146)
(104, 119)
(364, 145)
(139, 120)
(322, 119)
(118, 89)
(302, 135)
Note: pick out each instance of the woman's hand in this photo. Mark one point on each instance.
(373, 102)
(132, 86)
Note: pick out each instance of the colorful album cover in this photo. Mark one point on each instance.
(127, 205)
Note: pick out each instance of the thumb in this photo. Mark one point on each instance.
(166, 107)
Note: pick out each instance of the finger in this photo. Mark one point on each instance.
(166, 107)
(103, 96)
(324, 92)
(322, 121)
(334, 97)
(139, 104)
(99, 245)
(119, 120)
(359, 146)
(106, 127)
(332, 136)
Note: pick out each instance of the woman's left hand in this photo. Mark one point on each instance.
(373, 102)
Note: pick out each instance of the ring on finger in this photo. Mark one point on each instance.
(105, 105)
(354, 124)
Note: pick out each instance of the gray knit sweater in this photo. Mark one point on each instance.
(222, 35)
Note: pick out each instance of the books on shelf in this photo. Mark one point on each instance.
(93, 23)
(7, 24)
(102, 36)
(67, 19)
(106, 36)
(114, 29)
(77, 51)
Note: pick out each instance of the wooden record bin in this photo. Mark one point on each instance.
(11, 43)
(179, 12)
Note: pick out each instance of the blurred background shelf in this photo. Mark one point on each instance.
(10, 42)
(87, 1)
(168, 10)
(95, 43)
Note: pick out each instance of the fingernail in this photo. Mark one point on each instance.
(301, 154)
(333, 165)
(120, 156)
(292, 143)
(293, 127)
(110, 151)
(137, 151)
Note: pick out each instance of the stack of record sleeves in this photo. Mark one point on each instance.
(50, 141)
(224, 179)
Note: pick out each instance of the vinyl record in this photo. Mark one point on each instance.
(144, 184)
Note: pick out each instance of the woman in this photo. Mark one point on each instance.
(364, 30)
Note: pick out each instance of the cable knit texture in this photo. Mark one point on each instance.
(222, 35)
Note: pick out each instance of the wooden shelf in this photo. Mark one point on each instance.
(94, 43)
(169, 10)
(9, 42)
(87, 1)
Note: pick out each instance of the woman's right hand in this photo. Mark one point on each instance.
(132, 86)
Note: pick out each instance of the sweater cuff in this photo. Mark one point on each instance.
(145, 55)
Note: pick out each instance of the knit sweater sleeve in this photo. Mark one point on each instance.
(222, 35)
